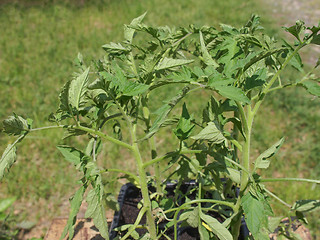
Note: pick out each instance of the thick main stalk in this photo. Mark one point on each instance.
(144, 185)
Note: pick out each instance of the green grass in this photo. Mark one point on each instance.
(38, 43)
(294, 115)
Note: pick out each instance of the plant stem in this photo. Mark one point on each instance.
(171, 154)
(247, 121)
(102, 135)
(276, 197)
(136, 179)
(275, 77)
(47, 128)
(136, 223)
(152, 143)
(88, 130)
(288, 180)
(143, 183)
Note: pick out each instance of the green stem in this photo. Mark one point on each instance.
(168, 155)
(88, 130)
(247, 121)
(289, 180)
(104, 136)
(136, 179)
(143, 183)
(47, 128)
(275, 77)
(136, 223)
(277, 198)
(152, 143)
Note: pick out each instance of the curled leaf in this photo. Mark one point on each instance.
(15, 125)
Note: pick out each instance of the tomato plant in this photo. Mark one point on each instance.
(237, 68)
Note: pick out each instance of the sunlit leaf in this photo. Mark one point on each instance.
(75, 204)
(296, 29)
(211, 133)
(184, 127)
(164, 111)
(234, 175)
(255, 215)
(6, 203)
(263, 160)
(207, 59)
(130, 29)
(7, 159)
(134, 89)
(77, 90)
(193, 218)
(71, 154)
(312, 87)
(232, 92)
(216, 227)
(306, 205)
(96, 211)
(114, 48)
(167, 63)
(203, 232)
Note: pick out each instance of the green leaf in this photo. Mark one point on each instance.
(184, 75)
(134, 89)
(301, 217)
(234, 175)
(231, 92)
(15, 125)
(211, 133)
(312, 87)
(124, 86)
(164, 111)
(129, 30)
(64, 98)
(71, 154)
(203, 232)
(216, 227)
(296, 61)
(184, 127)
(255, 214)
(114, 48)
(193, 218)
(75, 203)
(296, 29)
(306, 205)
(96, 211)
(230, 45)
(167, 63)
(207, 59)
(77, 90)
(316, 39)
(273, 223)
(256, 80)
(7, 159)
(262, 161)
(6, 203)
(256, 57)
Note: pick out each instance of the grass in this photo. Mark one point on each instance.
(38, 43)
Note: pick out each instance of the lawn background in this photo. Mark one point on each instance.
(38, 43)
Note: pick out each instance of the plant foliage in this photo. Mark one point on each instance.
(237, 68)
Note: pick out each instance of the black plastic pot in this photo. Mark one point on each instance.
(130, 196)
